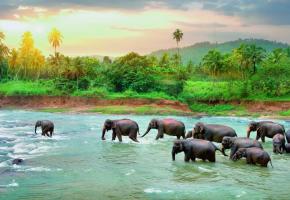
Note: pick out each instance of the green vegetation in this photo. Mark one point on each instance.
(285, 113)
(139, 110)
(54, 110)
(246, 72)
(219, 109)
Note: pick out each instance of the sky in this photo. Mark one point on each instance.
(116, 27)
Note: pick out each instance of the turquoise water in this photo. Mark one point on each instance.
(76, 164)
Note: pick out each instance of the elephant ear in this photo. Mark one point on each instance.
(155, 123)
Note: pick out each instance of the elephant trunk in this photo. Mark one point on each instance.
(280, 150)
(248, 132)
(103, 133)
(223, 151)
(173, 155)
(148, 129)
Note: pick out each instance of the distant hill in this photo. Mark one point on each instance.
(197, 51)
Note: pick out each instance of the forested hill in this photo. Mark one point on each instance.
(197, 51)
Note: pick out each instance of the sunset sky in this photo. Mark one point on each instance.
(115, 27)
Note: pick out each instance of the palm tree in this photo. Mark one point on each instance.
(4, 50)
(55, 39)
(214, 61)
(177, 35)
(276, 55)
(256, 55)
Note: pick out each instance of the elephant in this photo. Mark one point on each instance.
(46, 126)
(253, 155)
(211, 132)
(168, 126)
(195, 148)
(287, 148)
(288, 136)
(17, 161)
(234, 143)
(279, 143)
(125, 127)
(265, 129)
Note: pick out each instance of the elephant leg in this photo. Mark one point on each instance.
(211, 159)
(183, 135)
(258, 136)
(263, 138)
(187, 157)
(178, 137)
(114, 135)
(119, 137)
(119, 134)
(133, 136)
(192, 158)
(233, 151)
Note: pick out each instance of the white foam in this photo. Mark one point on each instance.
(152, 190)
(241, 194)
(36, 169)
(132, 171)
(204, 169)
(13, 184)
(4, 164)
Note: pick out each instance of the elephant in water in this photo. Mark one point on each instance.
(125, 127)
(47, 127)
(234, 143)
(265, 129)
(288, 136)
(254, 155)
(211, 132)
(195, 148)
(168, 126)
(279, 143)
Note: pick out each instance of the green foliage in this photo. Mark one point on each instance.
(27, 88)
(285, 113)
(212, 91)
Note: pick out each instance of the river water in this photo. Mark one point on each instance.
(76, 164)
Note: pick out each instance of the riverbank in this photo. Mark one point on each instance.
(68, 104)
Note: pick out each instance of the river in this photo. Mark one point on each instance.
(77, 164)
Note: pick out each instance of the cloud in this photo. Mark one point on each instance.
(275, 12)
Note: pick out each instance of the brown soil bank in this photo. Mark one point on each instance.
(83, 104)
(78, 102)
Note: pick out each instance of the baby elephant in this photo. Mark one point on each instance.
(279, 143)
(253, 155)
(46, 126)
(195, 148)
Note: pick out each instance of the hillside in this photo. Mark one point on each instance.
(197, 51)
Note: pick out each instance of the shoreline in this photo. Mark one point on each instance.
(69, 104)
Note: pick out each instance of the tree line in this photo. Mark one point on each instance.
(254, 68)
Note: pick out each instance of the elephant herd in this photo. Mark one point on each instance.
(197, 143)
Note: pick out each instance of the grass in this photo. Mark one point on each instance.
(218, 109)
(139, 110)
(54, 110)
(285, 113)
(212, 91)
(27, 88)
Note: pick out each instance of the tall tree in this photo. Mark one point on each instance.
(256, 55)
(55, 39)
(4, 50)
(177, 36)
(214, 62)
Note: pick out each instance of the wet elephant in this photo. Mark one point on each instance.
(254, 156)
(288, 136)
(167, 126)
(279, 143)
(265, 129)
(125, 127)
(195, 148)
(211, 132)
(234, 143)
(47, 127)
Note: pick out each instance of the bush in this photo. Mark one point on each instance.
(212, 91)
